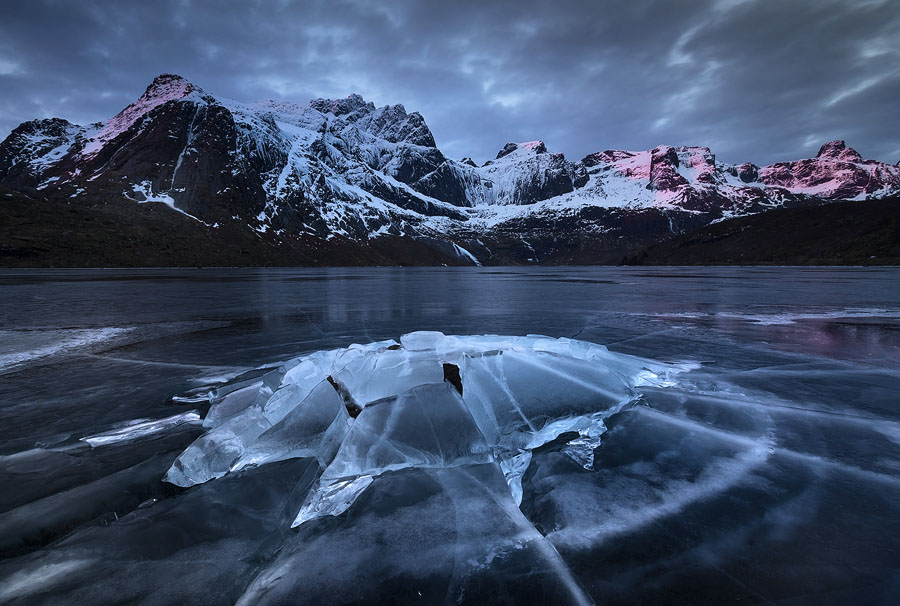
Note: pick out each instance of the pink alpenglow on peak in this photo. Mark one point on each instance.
(220, 160)
(164, 88)
(537, 146)
(837, 172)
(631, 165)
(838, 150)
(167, 87)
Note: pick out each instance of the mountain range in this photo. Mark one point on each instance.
(339, 181)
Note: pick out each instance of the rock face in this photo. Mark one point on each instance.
(525, 173)
(842, 233)
(342, 168)
(32, 148)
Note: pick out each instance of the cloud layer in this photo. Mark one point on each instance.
(755, 80)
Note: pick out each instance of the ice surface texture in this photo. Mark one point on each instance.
(431, 401)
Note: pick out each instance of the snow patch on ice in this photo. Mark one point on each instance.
(67, 341)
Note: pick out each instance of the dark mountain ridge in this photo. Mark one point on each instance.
(339, 181)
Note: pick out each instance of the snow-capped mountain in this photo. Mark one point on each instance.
(346, 169)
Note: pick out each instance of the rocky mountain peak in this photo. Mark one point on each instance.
(168, 87)
(838, 150)
(50, 127)
(342, 107)
(165, 88)
(609, 156)
(345, 167)
(537, 147)
(507, 149)
(747, 172)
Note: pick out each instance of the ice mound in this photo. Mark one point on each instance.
(428, 401)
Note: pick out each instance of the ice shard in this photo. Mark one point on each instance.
(431, 401)
(140, 428)
(313, 427)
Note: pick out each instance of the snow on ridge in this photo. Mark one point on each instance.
(164, 88)
(336, 152)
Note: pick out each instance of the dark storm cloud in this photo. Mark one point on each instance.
(754, 80)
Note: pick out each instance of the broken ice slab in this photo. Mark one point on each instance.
(581, 449)
(299, 381)
(141, 428)
(428, 426)
(450, 346)
(254, 388)
(268, 374)
(314, 428)
(232, 404)
(423, 340)
(379, 375)
(430, 401)
(213, 454)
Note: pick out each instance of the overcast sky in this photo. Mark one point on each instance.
(754, 80)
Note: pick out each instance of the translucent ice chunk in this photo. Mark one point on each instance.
(581, 449)
(314, 428)
(583, 426)
(232, 403)
(213, 454)
(423, 340)
(342, 357)
(194, 396)
(581, 350)
(332, 499)
(252, 388)
(431, 401)
(309, 371)
(380, 375)
(269, 375)
(286, 399)
(587, 429)
(513, 465)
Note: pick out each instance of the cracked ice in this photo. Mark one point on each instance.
(429, 401)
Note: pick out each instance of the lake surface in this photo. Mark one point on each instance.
(771, 472)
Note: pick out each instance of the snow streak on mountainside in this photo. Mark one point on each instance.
(344, 168)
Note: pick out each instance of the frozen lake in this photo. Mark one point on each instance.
(769, 472)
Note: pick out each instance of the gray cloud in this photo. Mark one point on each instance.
(757, 80)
